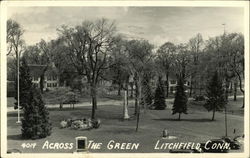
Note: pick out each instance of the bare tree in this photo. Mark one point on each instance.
(139, 55)
(235, 48)
(14, 38)
(41, 54)
(89, 45)
(225, 54)
(165, 60)
(181, 61)
(15, 44)
(195, 45)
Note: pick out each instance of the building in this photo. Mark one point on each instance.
(172, 82)
(51, 76)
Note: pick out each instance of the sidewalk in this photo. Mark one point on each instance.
(109, 102)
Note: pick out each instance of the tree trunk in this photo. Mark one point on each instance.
(179, 118)
(119, 89)
(139, 105)
(227, 85)
(136, 97)
(132, 89)
(137, 118)
(231, 87)
(94, 102)
(41, 83)
(213, 114)
(42, 79)
(125, 106)
(200, 87)
(241, 88)
(243, 105)
(167, 78)
(191, 87)
(235, 90)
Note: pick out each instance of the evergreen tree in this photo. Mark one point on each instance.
(215, 93)
(25, 84)
(146, 92)
(180, 101)
(159, 100)
(35, 121)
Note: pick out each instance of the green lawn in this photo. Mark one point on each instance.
(194, 127)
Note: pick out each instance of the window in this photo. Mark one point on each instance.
(48, 84)
(172, 82)
(171, 89)
(54, 84)
(35, 78)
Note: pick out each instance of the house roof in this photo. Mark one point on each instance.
(52, 70)
(36, 70)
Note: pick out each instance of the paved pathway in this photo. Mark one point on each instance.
(109, 102)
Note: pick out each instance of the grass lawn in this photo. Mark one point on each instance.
(194, 127)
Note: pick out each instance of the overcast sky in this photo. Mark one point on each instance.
(156, 24)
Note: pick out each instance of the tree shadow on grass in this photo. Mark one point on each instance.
(13, 114)
(19, 137)
(117, 130)
(15, 137)
(187, 120)
(67, 109)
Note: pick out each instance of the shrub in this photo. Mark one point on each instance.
(159, 100)
(69, 122)
(215, 94)
(180, 101)
(199, 98)
(147, 96)
(64, 124)
(35, 121)
(76, 124)
(96, 123)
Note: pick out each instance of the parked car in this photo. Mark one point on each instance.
(239, 139)
(234, 145)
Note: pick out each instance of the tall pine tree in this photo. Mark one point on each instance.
(25, 84)
(147, 97)
(159, 100)
(35, 121)
(215, 93)
(180, 101)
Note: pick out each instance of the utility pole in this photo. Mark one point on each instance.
(224, 26)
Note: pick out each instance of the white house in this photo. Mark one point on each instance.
(51, 77)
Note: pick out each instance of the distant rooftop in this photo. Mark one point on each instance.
(36, 70)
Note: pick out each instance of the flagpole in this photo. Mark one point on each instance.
(224, 25)
(18, 95)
